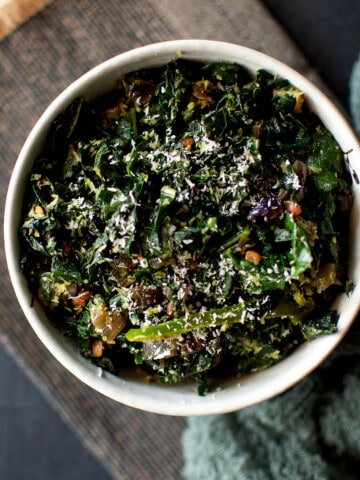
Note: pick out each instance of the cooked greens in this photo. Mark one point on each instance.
(192, 221)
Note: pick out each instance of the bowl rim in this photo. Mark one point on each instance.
(177, 399)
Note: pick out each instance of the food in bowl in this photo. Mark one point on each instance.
(188, 222)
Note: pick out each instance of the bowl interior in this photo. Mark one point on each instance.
(130, 388)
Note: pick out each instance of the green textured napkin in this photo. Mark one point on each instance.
(355, 94)
(311, 432)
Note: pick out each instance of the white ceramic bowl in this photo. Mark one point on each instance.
(132, 391)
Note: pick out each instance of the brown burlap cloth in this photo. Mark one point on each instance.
(40, 58)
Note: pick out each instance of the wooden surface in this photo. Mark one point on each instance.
(39, 59)
(14, 13)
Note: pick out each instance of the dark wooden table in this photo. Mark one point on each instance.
(38, 60)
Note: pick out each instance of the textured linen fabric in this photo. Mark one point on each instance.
(310, 432)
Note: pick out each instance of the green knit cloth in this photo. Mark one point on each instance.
(310, 432)
(354, 96)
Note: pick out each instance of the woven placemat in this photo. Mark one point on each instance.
(39, 59)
